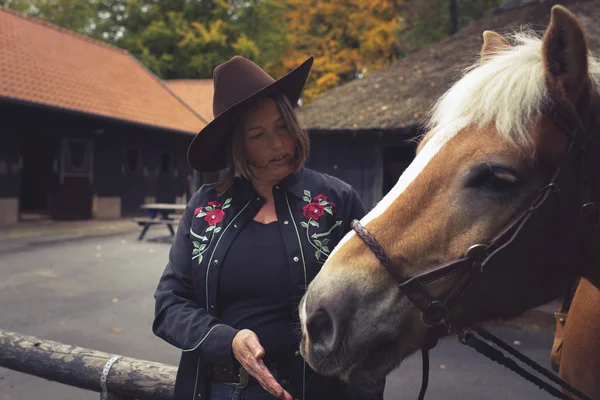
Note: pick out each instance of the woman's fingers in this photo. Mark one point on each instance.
(269, 383)
(249, 352)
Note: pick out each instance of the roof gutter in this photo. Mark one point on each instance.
(100, 117)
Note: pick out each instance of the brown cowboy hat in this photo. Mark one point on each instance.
(238, 82)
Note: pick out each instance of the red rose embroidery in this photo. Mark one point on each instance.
(214, 217)
(320, 197)
(198, 210)
(216, 204)
(313, 211)
(333, 206)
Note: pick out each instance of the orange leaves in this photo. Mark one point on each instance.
(347, 37)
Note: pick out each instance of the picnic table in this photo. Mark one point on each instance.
(159, 214)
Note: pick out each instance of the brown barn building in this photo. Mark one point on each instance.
(87, 131)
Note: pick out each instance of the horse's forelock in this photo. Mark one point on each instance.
(507, 89)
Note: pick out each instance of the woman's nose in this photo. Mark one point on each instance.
(277, 141)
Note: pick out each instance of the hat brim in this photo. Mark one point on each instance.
(207, 152)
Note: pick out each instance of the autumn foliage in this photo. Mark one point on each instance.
(187, 39)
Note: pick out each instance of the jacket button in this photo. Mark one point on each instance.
(216, 262)
(297, 353)
(235, 225)
(258, 198)
(277, 187)
(286, 222)
(296, 259)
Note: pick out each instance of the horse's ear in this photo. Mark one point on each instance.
(565, 52)
(493, 43)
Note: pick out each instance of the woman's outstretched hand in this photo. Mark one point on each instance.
(248, 351)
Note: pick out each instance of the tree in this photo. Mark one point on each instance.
(77, 16)
(427, 21)
(174, 38)
(349, 39)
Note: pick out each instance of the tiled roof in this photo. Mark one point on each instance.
(198, 93)
(42, 63)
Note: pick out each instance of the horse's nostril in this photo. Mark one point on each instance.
(320, 331)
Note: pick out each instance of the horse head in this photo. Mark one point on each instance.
(508, 164)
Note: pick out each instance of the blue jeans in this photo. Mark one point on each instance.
(222, 391)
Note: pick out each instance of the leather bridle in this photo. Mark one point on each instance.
(562, 192)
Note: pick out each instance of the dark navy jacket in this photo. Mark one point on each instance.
(314, 212)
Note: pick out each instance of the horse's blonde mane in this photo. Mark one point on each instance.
(507, 88)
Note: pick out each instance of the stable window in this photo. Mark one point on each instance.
(76, 158)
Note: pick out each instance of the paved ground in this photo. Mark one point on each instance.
(96, 292)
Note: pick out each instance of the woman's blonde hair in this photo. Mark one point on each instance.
(237, 160)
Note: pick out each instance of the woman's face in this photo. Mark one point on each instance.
(268, 143)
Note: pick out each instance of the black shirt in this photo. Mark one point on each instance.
(255, 289)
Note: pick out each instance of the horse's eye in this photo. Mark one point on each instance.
(494, 178)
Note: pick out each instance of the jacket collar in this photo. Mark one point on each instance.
(294, 183)
(243, 190)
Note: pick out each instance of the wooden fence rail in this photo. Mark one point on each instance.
(127, 378)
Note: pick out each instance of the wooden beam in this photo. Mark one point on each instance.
(82, 368)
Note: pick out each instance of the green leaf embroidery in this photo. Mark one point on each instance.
(328, 210)
(307, 193)
(318, 243)
(326, 242)
(314, 223)
(318, 254)
(323, 202)
(304, 225)
(307, 199)
(199, 247)
(325, 249)
(318, 235)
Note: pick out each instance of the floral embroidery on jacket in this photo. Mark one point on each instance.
(315, 208)
(213, 215)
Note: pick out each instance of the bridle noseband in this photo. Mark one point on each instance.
(435, 313)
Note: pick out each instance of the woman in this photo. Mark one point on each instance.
(247, 248)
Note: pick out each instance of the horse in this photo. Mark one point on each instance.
(576, 350)
(494, 214)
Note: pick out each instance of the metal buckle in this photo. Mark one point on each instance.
(244, 378)
(477, 253)
(588, 209)
(435, 315)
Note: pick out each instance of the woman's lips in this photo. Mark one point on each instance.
(279, 160)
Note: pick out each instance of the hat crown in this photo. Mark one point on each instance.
(235, 80)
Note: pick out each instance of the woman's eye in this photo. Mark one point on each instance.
(256, 135)
(496, 179)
